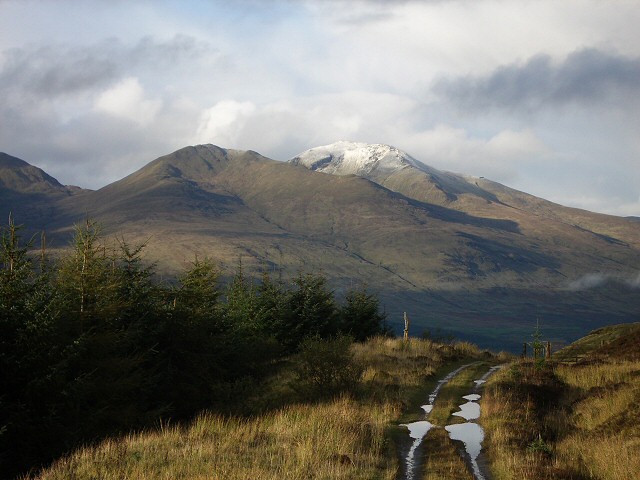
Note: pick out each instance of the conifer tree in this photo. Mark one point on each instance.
(360, 316)
(311, 311)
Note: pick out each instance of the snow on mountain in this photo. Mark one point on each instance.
(395, 170)
(362, 159)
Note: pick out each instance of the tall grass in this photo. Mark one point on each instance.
(339, 439)
(579, 421)
(587, 376)
(344, 437)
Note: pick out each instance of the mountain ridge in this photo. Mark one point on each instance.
(446, 261)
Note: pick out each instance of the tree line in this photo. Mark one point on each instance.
(91, 344)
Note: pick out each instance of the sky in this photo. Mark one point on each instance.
(542, 96)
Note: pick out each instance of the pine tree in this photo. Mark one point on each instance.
(311, 311)
(360, 317)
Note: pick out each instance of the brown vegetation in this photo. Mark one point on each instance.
(343, 437)
(568, 420)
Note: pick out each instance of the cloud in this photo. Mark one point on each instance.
(589, 281)
(46, 72)
(222, 123)
(498, 157)
(595, 280)
(588, 76)
(282, 129)
(127, 100)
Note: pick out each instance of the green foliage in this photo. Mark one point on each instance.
(308, 309)
(537, 345)
(360, 317)
(92, 345)
(540, 446)
(325, 367)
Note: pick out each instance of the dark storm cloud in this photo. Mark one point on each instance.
(54, 70)
(588, 76)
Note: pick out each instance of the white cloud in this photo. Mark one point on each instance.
(127, 99)
(140, 80)
(498, 157)
(222, 123)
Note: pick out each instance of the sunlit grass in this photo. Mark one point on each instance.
(442, 460)
(598, 374)
(345, 437)
(339, 439)
(588, 424)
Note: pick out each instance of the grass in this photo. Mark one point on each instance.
(573, 420)
(338, 439)
(350, 436)
(442, 458)
(596, 343)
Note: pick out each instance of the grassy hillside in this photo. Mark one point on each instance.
(543, 420)
(291, 436)
(575, 417)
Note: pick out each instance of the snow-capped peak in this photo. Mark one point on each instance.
(352, 158)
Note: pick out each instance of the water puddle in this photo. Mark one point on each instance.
(471, 434)
(469, 411)
(418, 430)
(482, 380)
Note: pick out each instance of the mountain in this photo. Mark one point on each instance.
(30, 194)
(398, 171)
(468, 256)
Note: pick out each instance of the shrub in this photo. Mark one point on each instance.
(326, 367)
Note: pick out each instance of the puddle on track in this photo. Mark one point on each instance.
(471, 434)
(469, 411)
(483, 379)
(418, 430)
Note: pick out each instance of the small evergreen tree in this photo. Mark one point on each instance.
(360, 316)
(326, 367)
(311, 310)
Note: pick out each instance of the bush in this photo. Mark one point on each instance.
(326, 367)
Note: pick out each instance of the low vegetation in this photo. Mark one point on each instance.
(345, 435)
(565, 418)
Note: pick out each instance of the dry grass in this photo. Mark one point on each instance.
(404, 373)
(586, 418)
(605, 438)
(591, 375)
(340, 439)
(347, 437)
(442, 459)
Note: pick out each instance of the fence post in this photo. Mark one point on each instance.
(406, 328)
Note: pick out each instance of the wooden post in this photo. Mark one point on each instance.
(548, 352)
(524, 351)
(406, 328)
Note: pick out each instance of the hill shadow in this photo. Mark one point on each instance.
(455, 216)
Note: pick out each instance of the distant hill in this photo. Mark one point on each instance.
(461, 254)
(612, 342)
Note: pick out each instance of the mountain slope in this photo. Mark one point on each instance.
(30, 194)
(465, 261)
(398, 171)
